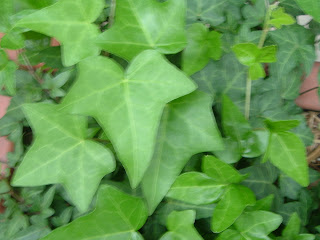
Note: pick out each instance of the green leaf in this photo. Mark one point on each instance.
(289, 188)
(70, 22)
(268, 54)
(287, 152)
(234, 123)
(7, 73)
(202, 45)
(196, 188)
(231, 206)
(281, 126)
(208, 11)
(220, 171)
(117, 216)
(257, 225)
(230, 234)
(263, 204)
(182, 133)
(233, 154)
(226, 76)
(256, 71)
(136, 30)
(128, 105)
(5, 11)
(180, 226)
(280, 18)
(60, 154)
(293, 227)
(247, 53)
(311, 7)
(295, 49)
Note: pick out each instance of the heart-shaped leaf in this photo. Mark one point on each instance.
(146, 24)
(117, 216)
(61, 154)
(128, 105)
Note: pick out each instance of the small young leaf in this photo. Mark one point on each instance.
(61, 154)
(280, 18)
(180, 226)
(70, 22)
(117, 216)
(202, 45)
(287, 152)
(136, 30)
(196, 188)
(247, 53)
(231, 206)
(220, 171)
(256, 71)
(268, 54)
(128, 105)
(281, 126)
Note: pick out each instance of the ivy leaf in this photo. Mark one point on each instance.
(70, 22)
(295, 48)
(311, 7)
(287, 152)
(128, 105)
(220, 171)
(60, 154)
(5, 11)
(208, 11)
(180, 225)
(117, 216)
(7, 74)
(231, 206)
(136, 30)
(281, 126)
(257, 224)
(181, 134)
(226, 76)
(196, 188)
(280, 18)
(202, 45)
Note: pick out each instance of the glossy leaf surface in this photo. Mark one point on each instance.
(196, 188)
(128, 105)
(180, 226)
(146, 24)
(70, 22)
(231, 206)
(61, 154)
(116, 216)
(187, 127)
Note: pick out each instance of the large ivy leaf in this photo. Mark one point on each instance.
(231, 206)
(128, 105)
(295, 48)
(146, 24)
(180, 225)
(117, 216)
(209, 11)
(287, 152)
(196, 188)
(60, 154)
(311, 7)
(182, 133)
(70, 22)
(202, 45)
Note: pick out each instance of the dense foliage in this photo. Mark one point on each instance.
(157, 119)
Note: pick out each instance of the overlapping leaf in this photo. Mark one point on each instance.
(128, 105)
(61, 154)
(180, 226)
(182, 133)
(7, 73)
(146, 24)
(70, 22)
(117, 216)
(311, 7)
(202, 46)
(209, 11)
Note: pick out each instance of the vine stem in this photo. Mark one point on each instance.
(260, 45)
(112, 13)
(248, 98)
